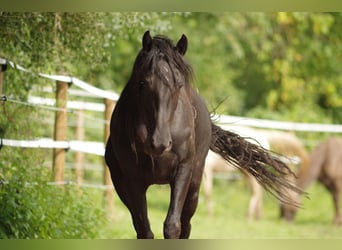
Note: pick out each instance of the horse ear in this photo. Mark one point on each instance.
(147, 41)
(182, 45)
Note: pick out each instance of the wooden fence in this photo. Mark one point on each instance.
(61, 127)
(60, 143)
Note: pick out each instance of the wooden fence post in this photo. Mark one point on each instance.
(60, 130)
(107, 181)
(79, 156)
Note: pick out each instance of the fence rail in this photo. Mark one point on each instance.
(280, 125)
(96, 148)
(69, 79)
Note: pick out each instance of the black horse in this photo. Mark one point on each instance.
(161, 132)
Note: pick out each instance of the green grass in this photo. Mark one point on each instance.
(313, 221)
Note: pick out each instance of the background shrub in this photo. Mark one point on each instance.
(32, 208)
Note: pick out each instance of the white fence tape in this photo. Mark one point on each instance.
(68, 183)
(91, 106)
(96, 91)
(96, 148)
(68, 79)
(269, 124)
(84, 185)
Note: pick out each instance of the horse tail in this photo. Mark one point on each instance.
(265, 167)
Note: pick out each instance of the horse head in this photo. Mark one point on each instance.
(158, 77)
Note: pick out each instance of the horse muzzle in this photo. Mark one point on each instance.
(159, 148)
(158, 144)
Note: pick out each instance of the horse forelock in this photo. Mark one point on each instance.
(162, 49)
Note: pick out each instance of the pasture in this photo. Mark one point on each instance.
(313, 221)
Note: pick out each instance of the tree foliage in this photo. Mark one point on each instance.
(275, 65)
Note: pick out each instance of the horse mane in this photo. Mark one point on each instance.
(161, 47)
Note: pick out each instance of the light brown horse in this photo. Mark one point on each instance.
(283, 143)
(325, 165)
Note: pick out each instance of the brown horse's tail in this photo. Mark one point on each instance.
(267, 168)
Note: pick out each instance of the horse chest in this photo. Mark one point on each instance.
(161, 169)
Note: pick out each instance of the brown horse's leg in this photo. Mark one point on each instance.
(191, 201)
(255, 203)
(179, 190)
(189, 209)
(134, 197)
(336, 198)
(208, 188)
(334, 189)
(140, 217)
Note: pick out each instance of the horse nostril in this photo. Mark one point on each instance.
(160, 147)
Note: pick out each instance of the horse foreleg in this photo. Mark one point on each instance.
(336, 199)
(134, 197)
(334, 188)
(191, 200)
(140, 217)
(189, 209)
(179, 190)
(255, 202)
(208, 188)
(257, 198)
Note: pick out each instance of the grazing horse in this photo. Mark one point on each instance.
(160, 133)
(326, 167)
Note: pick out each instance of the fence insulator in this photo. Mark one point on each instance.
(3, 67)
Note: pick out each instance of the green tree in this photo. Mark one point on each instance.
(271, 65)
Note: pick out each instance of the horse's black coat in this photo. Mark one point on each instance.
(161, 133)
